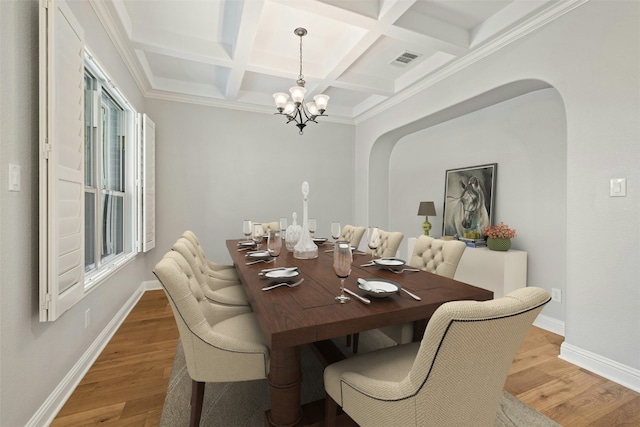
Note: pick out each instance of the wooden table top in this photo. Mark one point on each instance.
(309, 313)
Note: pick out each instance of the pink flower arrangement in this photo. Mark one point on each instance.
(499, 231)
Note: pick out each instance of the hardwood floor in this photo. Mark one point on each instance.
(126, 386)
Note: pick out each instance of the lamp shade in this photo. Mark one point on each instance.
(281, 99)
(427, 209)
(297, 93)
(289, 108)
(313, 109)
(321, 101)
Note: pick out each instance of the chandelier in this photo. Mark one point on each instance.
(295, 109)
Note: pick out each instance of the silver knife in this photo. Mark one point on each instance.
(414, 296)
(363, 299)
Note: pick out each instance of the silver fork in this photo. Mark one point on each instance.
(260, 260)
(403, 270)
(277, 285)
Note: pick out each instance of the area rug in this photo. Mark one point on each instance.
(243, 404)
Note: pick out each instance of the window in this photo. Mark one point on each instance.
(104, 177)
(95, 172)
(109, 175)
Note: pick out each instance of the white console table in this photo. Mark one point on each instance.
(497, 271)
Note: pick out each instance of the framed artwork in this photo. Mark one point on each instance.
(468, 200)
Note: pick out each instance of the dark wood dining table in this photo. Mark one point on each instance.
(308, 313)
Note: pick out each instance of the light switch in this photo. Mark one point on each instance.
(14, 177)
(618, 187)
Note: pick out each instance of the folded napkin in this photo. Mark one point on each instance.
(266, 270)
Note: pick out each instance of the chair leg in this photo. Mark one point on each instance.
(197, 394)
(356, 337)
(330, 411)
(349, 340)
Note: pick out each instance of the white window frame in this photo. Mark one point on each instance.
(107, 267)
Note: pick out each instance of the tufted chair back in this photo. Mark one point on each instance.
(389, 243)
(215, 290)
(352, 234)
(187, 284)
(453, 377)
(218, 347)
(437, 256)
(209, 268)
(270, 226)
(191, 237)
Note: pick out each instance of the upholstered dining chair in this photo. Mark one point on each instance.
(389, 243)
(388, 247)
(215, 290)
(217, 347)
(352, 234)
(270, 226)
(436, 256)
(216, 270)
(453, 377)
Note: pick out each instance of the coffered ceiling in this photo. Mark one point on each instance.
(236, 54)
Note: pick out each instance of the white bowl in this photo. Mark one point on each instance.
(389, 262)
(281, 274)
(379, 288)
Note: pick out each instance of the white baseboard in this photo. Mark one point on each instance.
(607, 368)
(550, 324)
(45, 415)
(151, 285)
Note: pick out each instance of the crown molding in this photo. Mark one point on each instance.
(114, 33)
(534, 23)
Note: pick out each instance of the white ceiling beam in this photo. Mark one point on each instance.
(392, 10)
(514, 12)
(365, 83)
(179, 45)
(248, 27)
(330, 11)
(427, 31)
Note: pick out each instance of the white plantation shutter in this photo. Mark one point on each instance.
(61, 160)
(148, 184)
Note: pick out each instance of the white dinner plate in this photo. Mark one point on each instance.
(281, 274)
(380, 288)
(389, 262)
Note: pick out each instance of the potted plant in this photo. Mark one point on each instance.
(499, 236)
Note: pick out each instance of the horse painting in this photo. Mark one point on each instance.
(467, 211)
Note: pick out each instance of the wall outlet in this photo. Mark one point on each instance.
(556, 295)
(87, 318)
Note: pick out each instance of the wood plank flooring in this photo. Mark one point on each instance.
(127, 384)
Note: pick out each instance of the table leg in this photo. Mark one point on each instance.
(284, 381)
(419, 327)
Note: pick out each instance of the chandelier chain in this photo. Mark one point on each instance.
(301, 76)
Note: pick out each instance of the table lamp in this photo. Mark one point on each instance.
(426, 209)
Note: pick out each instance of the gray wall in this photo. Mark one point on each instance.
(217, 167)
(35, 357)
(590, 55)
(526, 137)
